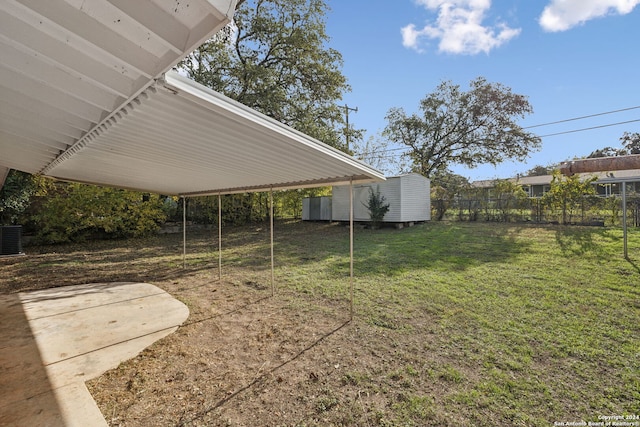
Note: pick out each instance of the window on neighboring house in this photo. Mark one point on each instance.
(539, 190)
(608, 190)
(616, 188)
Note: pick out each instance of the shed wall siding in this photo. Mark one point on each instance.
(416, 198)
(407, 195)
(340, 203)
(325, 208)
(306, 209)
(390, 190)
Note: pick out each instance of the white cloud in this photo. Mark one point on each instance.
(459, 28)
(561, 15)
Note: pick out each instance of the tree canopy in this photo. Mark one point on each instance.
(16, 194)
(445, 187)
(273, 58)
(630, 145)
(566, 192)
(469, 128)
(631, 142)
(605, 152)
(539, 170)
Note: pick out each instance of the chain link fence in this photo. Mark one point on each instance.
(590, 210)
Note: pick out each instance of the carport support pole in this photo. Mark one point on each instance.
(624, 218)
(219, 237)
(273, 282)
(351, 247)
(184, 232)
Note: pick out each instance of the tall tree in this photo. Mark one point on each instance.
(376, 152)
(467, 128)
(273, 58)
(630, 145)
(606, 152)
(631, 142)
(540, 170)
(445, 186)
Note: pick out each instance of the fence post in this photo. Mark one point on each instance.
(624, 217)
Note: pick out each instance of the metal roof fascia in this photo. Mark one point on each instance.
(221, 5)
(361, 179)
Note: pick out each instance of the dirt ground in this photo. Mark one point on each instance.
(243, 357)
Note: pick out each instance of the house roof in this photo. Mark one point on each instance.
(602, 177)
(597, 164)
(85, 95)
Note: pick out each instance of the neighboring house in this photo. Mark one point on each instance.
(607, 183)
(534, 186)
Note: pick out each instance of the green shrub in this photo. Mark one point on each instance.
(77, 212)
(376, 206)
(16, 194)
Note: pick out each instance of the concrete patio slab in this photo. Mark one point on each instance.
(53, 340)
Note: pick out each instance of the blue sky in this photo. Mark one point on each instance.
(572, 58)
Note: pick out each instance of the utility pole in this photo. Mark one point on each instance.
(346, 112)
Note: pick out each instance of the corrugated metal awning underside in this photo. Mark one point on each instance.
(83, 97)
(179, 137)
(67, 65)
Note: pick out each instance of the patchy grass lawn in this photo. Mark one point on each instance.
(455, 324)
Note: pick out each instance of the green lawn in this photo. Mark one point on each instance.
(495, 324)
(480, 324)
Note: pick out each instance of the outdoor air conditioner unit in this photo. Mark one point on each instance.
(11, 240)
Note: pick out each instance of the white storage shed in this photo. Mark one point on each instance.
(316, 208)
(409, 198)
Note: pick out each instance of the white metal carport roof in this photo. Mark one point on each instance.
(84, 97)
(67, 65)
(178, 137)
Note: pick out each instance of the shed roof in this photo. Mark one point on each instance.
(85, 95)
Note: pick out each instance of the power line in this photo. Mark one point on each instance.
(388, 150)
(377, 153)
(582, 117)
(590, 128)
